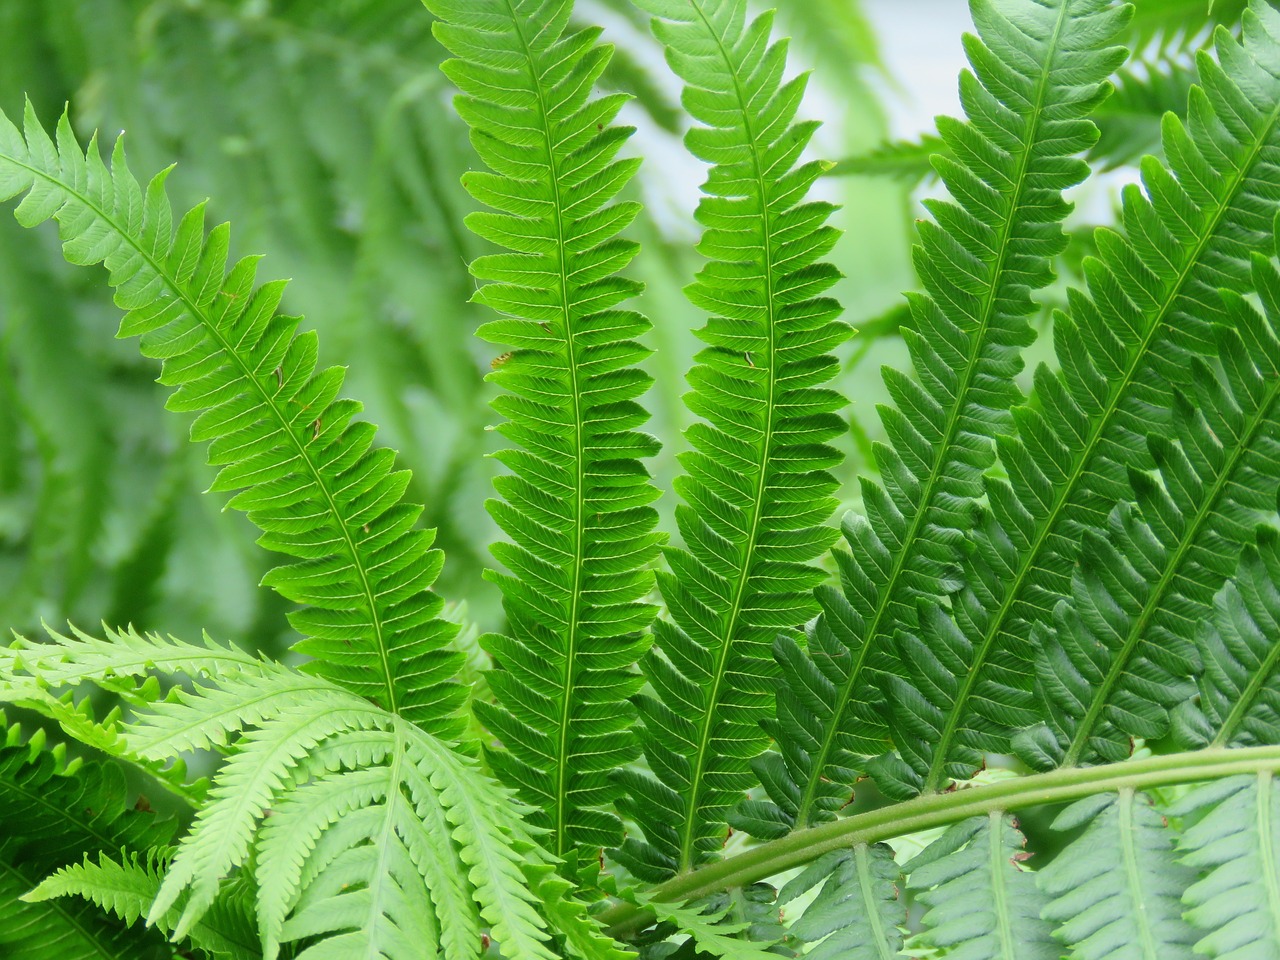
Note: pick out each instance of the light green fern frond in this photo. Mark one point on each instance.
(757, 491)
(860, 911)
(364, 834)
(576, 504)
(307, 475)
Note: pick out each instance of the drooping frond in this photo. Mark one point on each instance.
(1119, 654)
(1117, 887)
(980, 902)
(1239, 676)
(1144, 331)
(1235, 845)
(127, 888)
(366, 835)
(306, 474)
(1040, 68)
(859, 913)
(52, 813)
(576, 505)
(757, 492)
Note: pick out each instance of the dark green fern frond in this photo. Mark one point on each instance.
(577, 502)
(307, 475)
(1153, 308)
(1119, 653)
(52, 814)
(1040, 70)
(364, 834)
(757, 491)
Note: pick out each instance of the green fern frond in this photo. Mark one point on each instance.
(51, 814)
(710, 931)
(1235, 845)
(980, 901)
(1040, 70)
(307, 475)
(1118, 655)
(388, 839)
(757, 492)
(127, 888)
(1152, 310)
(859, 913)
(576, 504)
(1117, 888)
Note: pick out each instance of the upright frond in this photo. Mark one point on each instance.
(756, 492)
(305, 473)
(1039, 69)
(576, 505)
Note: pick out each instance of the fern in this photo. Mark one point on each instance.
(576, 505)
(756, 489)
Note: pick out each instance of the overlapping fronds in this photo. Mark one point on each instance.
(1040, 68)
(757, 492)
(1119, 654)
(364, 834)
(51, 814)
(1152, 309)
(576, 504)
(305, 473)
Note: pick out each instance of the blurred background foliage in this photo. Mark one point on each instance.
(323, 131)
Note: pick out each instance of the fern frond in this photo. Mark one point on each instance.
(710, 931)
(1117, 887)
(127, 888)
(305, 473)
(757, 492)
(1118, 654)
(51, 814)
(980, 902)
(1040, 69)
(1235, 845)
(1238, 680)
(1152, 310)
(576, 505)
(389, 840)
(859, 913)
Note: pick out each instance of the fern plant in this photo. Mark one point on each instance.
(1029, 707)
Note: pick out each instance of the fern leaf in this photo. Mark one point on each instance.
(1040, 69)
(127, 888)
(305, 473)
(1117, 887)
(1122, 356)
(980, 902)
(51, 814)
(576, 505)
(757, 490)
(392, 842)
(859, 913)
(710, 931)
(1235, 844)
(1118, 655)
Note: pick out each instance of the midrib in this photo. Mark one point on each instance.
(1013, 595)
(559, 799)
(718, 679)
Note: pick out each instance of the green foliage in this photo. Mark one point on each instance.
(1073, 577)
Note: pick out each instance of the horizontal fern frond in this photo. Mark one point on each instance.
(757, 489)
(363, 833)
(1153, 307)
(576, 505)
(305, 473)
(1039, 70)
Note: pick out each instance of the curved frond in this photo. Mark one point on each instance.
(305, 473)
(576, 505)
(1040, 69)
(365, 835)
(757, 492)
